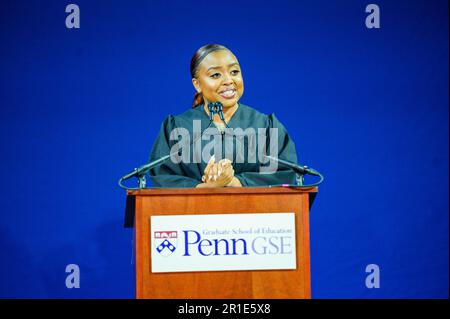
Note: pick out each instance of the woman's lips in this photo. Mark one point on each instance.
(228, 94)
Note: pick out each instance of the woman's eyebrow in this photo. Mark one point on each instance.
(218, 67)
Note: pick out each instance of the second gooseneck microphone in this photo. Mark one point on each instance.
(216, 108)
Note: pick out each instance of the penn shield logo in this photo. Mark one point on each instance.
(165, 242)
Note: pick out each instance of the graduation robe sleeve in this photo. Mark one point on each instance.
(168, 174)
(286, 151)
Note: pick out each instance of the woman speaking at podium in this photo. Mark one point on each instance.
(217, 78)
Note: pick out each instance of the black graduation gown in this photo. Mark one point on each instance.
(246, 169)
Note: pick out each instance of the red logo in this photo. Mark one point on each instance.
(165, 234)
(165, 242)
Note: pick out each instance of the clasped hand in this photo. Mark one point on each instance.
(219, 174)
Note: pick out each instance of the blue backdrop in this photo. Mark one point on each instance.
(367, 107)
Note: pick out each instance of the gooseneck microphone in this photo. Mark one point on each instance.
(139, 172)
(216, 108)
(142, 170)
(299, 170)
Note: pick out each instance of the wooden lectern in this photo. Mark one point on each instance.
(254, 284)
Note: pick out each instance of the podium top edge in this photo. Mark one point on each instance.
(221, 190)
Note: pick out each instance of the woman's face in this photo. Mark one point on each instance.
(219, 78)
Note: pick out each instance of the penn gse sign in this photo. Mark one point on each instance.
(185, 243)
